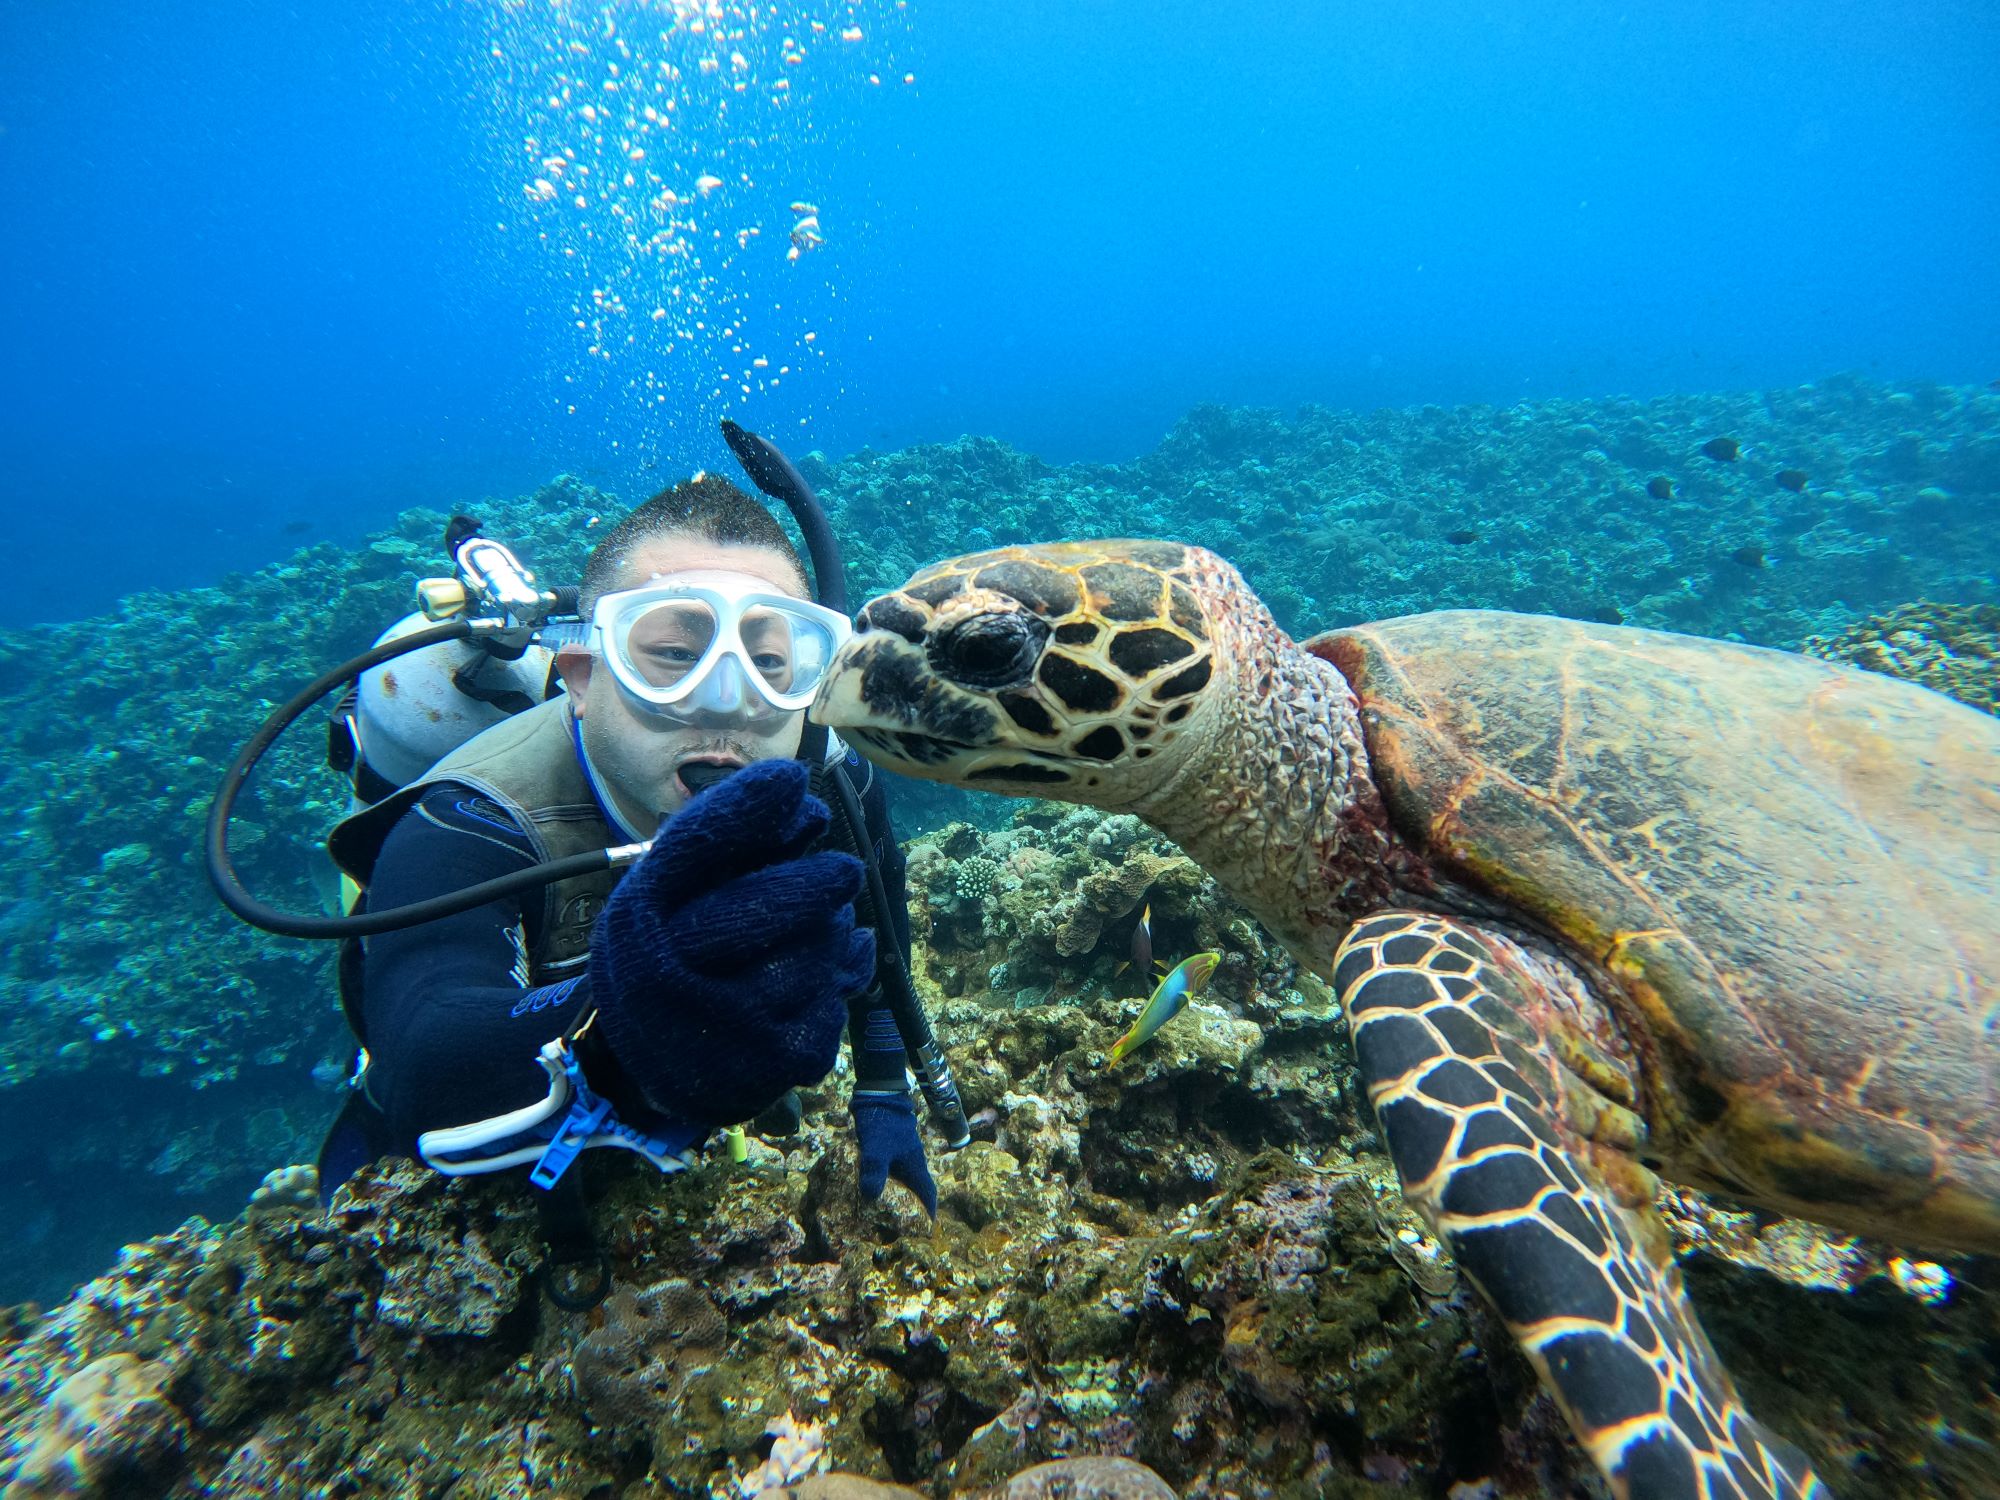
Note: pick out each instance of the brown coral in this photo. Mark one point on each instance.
(632, 1368)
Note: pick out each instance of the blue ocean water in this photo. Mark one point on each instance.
(1679, 316)
(276, 272)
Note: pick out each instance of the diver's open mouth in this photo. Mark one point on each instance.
(699, 775)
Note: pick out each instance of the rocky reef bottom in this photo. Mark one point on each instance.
(1198, 1260)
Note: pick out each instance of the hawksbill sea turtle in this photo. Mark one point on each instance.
(1597, 902)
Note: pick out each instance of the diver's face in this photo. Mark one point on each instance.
(640, 755)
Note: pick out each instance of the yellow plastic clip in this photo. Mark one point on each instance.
(739, 1145)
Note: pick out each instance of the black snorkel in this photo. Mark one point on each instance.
(778, 477)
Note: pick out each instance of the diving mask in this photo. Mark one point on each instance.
(712, 644)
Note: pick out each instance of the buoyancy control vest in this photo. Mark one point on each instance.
(527, 767)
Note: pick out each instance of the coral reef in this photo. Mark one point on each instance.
(1197, 1260)
(1345, 516)
(1006, 911)
(1952, 648)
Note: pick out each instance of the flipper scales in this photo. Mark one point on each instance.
(1471, 1101)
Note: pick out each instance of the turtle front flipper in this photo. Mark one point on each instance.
(1455, 1028)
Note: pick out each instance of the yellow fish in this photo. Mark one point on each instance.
(1189, 978)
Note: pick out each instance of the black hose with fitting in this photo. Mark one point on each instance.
(229, 885)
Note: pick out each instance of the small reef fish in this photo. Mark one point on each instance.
(1189, 978)
(1464, 536)
(1142, 945)
(1751, 556)
(1660, 487)
(1724, 450)
(1791, 479)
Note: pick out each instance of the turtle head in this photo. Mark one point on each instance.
(1073, 670)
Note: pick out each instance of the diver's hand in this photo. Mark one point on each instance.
(722, 964)
(885, 1129)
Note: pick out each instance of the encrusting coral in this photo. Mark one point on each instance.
(1197, 1259)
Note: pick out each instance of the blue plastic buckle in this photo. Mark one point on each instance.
(586, 1116)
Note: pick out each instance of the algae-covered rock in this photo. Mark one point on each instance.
(110, 1425)
(1199, 1263)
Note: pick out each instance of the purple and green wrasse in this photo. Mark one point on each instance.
(1189, 978)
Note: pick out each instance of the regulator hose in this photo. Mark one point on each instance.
(229, 885)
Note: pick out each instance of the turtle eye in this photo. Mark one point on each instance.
(990, 650)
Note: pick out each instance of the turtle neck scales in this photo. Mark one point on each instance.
(1269, 789)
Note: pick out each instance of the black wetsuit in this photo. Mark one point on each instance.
(451, 1029)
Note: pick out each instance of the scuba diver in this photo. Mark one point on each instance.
(712, 925)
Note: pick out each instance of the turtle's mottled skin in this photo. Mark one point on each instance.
(1596, 901)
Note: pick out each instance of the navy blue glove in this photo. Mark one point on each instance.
(885, 1128)
(723, 963)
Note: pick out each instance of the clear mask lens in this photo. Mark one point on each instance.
(685, 648)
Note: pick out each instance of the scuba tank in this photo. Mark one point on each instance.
(406, 713)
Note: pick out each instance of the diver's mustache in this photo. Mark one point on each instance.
(721, 747)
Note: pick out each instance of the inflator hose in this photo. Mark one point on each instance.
(920, 1044)
(229, 886)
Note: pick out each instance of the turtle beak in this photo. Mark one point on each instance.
(871, 684)
(883, 698)
(876, 695)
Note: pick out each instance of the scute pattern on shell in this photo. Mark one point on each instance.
(1595, 778)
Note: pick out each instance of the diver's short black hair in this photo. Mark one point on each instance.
(706, 506)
